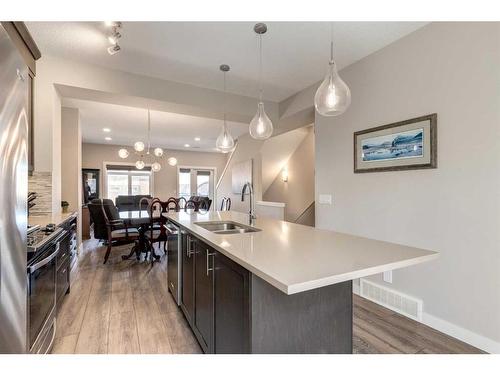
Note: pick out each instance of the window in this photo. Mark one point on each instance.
(196, 181)
(127, 180)
(185, 183)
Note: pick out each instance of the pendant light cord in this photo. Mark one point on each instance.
(331, 42)
(260, 68)
(149, 131)
(224, 106)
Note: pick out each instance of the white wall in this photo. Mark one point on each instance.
(71, 162)
(165, 181)
(452, 69)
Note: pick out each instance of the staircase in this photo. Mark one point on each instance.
(307, 217)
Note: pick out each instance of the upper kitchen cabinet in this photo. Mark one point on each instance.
(29, 51)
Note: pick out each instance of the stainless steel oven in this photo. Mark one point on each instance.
(42, 289)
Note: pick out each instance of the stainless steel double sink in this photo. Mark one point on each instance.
(226, 227)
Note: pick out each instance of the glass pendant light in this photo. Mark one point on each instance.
(139, 164)
(156, 167)
(333, 96)
(172, 161)
(123, 153)
(139, 146)
(261, 126)
(225, 141)
(158, 152)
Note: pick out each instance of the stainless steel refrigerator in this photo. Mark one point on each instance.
(13, 197)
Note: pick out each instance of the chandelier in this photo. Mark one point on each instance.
(144, 153)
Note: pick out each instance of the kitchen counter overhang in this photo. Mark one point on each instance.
(296, 258)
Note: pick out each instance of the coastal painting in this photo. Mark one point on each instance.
(403, 145)
(408, 144)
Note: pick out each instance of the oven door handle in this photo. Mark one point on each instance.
(43, 262)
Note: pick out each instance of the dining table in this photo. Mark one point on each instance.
(142, 221)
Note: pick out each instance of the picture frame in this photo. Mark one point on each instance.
(404, 145)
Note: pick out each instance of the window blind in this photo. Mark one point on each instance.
(130, 168)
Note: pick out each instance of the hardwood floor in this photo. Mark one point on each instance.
(125, 307)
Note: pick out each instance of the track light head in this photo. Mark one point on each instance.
(114, 49)
(113, 38)
(113, 23)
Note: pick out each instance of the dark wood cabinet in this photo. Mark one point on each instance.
(187, 296)
(215, 298)
(231, 306)
(204, 295)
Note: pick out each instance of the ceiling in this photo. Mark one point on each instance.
(295, 53)
(129, 124)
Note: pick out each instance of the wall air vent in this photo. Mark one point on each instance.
(392, 299)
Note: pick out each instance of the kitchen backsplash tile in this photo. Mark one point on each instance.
(41, 184)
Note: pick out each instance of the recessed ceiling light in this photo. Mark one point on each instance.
(108, 138)
(197, 139)
(187, 145)
(106, 130)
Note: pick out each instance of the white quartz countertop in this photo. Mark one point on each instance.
(296, 258)
(56, 218)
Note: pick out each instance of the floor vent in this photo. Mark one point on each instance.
(392, 299)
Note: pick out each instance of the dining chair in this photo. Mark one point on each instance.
(225, 204)
(158, 231)
(191, 204)
(173, 202)
(114, 231)
(181, 202)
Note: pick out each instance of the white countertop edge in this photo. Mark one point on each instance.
(297, 288)
(314, 284)
(270, 204)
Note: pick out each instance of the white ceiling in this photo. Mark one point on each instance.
(295, 53)
(129, 124)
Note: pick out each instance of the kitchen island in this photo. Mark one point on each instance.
(271, 286)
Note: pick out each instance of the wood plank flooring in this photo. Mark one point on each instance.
(124, 307)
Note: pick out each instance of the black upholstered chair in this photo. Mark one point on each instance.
(108, 226)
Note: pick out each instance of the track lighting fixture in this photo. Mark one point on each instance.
(114, 36)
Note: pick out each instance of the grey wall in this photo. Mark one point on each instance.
(452, 69)
(165, 181)
(298, 192)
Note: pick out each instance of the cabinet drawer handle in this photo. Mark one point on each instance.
(189, 250)
(208, 261)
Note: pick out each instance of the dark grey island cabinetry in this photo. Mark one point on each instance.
(231, 310)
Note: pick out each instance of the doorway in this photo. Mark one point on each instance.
(196, 181)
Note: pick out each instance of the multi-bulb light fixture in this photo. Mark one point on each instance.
(114, 36)
(145, 153)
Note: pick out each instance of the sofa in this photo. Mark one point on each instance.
(130, 202)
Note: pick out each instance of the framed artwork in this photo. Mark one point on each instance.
(404, 145)
(241, 174)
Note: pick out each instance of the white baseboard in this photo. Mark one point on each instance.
(460, 333)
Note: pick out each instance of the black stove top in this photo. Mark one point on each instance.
(39, 236)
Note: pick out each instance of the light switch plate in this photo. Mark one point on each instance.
(388, 276)
(325, 199)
